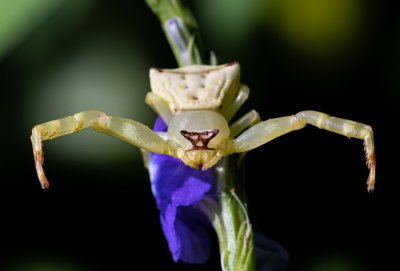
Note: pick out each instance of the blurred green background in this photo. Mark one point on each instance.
(306, 190)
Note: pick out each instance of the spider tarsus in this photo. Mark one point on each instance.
(39, 160)
(371, 179)
(43, 180)
(371, 186)
(45, 186)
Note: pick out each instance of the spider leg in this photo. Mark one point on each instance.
(128, 130)
(347, 128)
(146, 154)
(249, 119)
(229, 108)
(217, 156)
(246, 121)
(267, 130)
(160, 106)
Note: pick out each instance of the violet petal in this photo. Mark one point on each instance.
(270, 256)
(177, 188)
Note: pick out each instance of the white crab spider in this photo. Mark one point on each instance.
(197, 102)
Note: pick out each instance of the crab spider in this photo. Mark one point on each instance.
(197, 103)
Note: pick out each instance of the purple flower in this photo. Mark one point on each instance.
(176, 29)
(177, 189)
(270, 256)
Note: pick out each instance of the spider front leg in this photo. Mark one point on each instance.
(265, 131)
(128, 130)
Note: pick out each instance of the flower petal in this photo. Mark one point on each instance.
(160, 125)
(186, 233)
(177, 188)
(270, 256)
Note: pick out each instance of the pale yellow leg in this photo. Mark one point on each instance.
(246, 121)
(230, 109)
(265, 131)
(128, 130)
(160, 106)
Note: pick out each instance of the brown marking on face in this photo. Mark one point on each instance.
(200, 140)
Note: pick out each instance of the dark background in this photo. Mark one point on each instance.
(306, 190)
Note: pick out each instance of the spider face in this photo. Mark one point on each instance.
(199, 134)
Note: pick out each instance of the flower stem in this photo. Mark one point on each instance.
(227, 213)
(181, 30)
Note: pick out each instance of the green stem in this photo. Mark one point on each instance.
(229, 217)
(181, 30)
(228, 213)
(240, 245)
